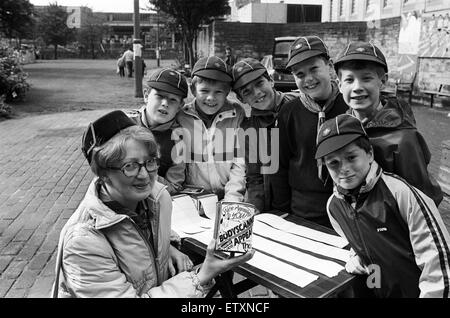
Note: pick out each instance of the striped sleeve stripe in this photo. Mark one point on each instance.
(436, 232)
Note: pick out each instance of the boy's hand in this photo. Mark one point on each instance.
(354, 266)
(178, 261)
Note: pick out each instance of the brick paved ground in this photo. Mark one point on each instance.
(44, 176)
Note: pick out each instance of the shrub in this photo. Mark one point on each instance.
(13, 84)
(5, 109)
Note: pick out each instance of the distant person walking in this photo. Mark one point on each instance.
(121, 66)
(128, 57)
(230, 59)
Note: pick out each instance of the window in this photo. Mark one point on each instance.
(386, 3)
(369, 4)
(303, 13)
(341, 7)
(353, 5)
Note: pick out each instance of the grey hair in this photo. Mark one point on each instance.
(113, 150)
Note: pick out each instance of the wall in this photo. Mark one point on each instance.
(433, 72)
(256, 39)
(376, 10)
(384, 33)
(244, 14)
(268, 13)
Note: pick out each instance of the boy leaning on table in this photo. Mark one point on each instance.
(394, 229)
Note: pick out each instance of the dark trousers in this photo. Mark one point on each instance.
(122, 71)
(130, 68)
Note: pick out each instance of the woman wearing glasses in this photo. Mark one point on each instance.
(117, 243)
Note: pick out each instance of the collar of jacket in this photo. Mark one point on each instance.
(105, 217)
(392, 114)
(372, 177)
(227, 111)
(162, 127)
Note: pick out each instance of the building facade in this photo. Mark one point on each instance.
(275, 11)
(368, 10)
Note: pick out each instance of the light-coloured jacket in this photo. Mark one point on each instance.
(104, 254)
(128, 56)
(212, 154)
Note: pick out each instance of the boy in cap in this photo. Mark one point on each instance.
(164, 93)
(395, 231)
(398, 146)
(254, 86)
(302, 186)
(209, 125)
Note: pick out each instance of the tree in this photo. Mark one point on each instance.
(16, 18)
(53, 27)
(190, 15)
(91, 33)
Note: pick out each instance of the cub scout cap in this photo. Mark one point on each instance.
(245, 71)
(169, 80)
(102, 130)
(212, 67)
(305, 47)
(362, 51)
(337, 133)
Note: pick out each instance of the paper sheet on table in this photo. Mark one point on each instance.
(281, 224)
(300, 242)
(208, 204)
(269, 264)
(185, 217)
(326, 267)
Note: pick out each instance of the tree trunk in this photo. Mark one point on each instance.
(92, 51)
(195, 46)
(189, 43)
(191, 54)
(56, 51)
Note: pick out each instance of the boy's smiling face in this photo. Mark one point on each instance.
(348, 166)
(162, 106)
(258, 94)
(313, 78)
(211, 96)
(361, 88)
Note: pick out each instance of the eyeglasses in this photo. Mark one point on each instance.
(132, 169)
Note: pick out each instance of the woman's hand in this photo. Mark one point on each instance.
(213, 266)
(178, 261)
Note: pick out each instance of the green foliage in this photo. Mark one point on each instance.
(191, 15)
(53, 26)
(16, 18)
(13, 84)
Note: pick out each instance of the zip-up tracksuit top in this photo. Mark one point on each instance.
(212, 154)
(391, 224)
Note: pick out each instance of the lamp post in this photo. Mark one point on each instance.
(157, 38)
(137, 49)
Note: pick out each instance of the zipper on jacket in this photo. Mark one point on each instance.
(356, 213)
(150, 248)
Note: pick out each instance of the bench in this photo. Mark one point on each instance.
(444, 90)
(402, 84)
